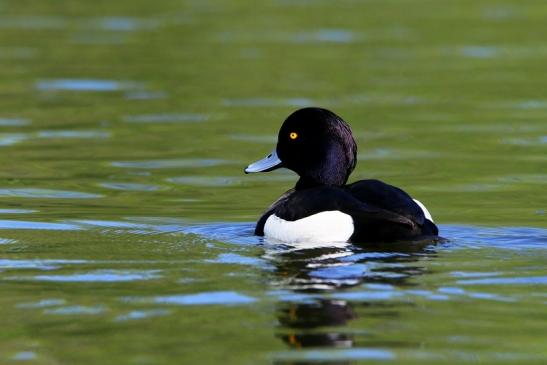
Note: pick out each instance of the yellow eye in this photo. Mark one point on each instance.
(293, 135)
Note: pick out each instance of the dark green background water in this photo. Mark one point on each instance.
(126, 222)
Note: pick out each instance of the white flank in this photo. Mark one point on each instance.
(424, 209)
(324, 227)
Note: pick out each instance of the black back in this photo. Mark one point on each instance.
(379, 194)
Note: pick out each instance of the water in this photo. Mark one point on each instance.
(126, 220)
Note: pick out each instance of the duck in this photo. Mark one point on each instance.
(319, 147)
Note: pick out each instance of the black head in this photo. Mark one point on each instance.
(317, 145)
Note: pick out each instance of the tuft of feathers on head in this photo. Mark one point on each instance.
(330, 130)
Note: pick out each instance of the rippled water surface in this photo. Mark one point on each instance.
(126, 221)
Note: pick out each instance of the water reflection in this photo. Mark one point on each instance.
(166, 118)
(325, 35)
(328, 268)
(14, 122)
(142, 314)
(8, 139)
(145, 95)
(324, 294)
(126, 186)
(45, 193)
(269, 102)
(303, 317)
(123, 24)
(97, 276)
(172, 163)
(480, 51)
(85, 85)
(74, 134)
(24, 356)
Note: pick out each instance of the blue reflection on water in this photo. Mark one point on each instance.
(84, 85)
(526, 280)
(8, 139)
(14, 122)
(42, 303)
(355, 354)
(99, 276)
(77, 310)
(45, 193)
(142, 314)
(166, 118)
(341, 272)
(325, 35)
(46, 264)
(172, 163)
(264, 102)
(24, 356)
(480, 51)
(130, 186)
(367, 295)
(17, 211)
(145, 95)
(74, 134)
(209, 298)
(124, 24)
(232, 258)
(11, 224)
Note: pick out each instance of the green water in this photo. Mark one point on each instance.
(126, 221)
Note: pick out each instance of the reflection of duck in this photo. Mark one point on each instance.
(318, 145)
(326, 268)
(310, 316)
(315, 313)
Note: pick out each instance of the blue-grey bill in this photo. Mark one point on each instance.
(268, 163)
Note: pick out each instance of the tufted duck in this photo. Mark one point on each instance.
(318, 145)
